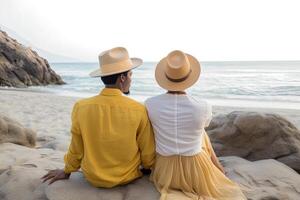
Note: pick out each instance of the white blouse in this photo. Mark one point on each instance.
(178, 122)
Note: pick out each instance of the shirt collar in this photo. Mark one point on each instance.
(111, 92)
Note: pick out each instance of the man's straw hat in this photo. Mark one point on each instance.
(115, 61)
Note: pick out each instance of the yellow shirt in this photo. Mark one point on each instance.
(111, 138)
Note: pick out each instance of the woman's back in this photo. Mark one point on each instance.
(186, 165)
(178, 121)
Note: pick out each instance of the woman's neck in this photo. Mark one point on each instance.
(176, 92)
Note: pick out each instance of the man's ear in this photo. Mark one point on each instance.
(122, 78)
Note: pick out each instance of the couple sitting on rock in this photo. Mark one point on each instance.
(113, 135)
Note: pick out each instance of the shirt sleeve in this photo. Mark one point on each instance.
(208, 114)
(145, 140)
(74, 155)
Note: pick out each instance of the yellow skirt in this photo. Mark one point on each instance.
(193, 177)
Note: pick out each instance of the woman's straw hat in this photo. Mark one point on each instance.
(178, 71)
(115, 61)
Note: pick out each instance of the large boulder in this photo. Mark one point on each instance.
(14, 132)
(21, 169)
(263, 179)
(22, 67)
(256, 136)
(77, 188)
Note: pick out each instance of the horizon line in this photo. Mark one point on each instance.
(207, 61)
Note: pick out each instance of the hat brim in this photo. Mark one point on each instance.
(165, 83)
(136, 62)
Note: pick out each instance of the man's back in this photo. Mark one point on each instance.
(111, 137)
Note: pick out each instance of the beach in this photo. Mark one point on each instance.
(243, 61)
(50, 114)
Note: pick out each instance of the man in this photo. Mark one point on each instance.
(111, 133)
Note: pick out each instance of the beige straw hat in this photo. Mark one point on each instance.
(115, 61)
(178, 71)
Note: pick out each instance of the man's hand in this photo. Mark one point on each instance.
(55, 175)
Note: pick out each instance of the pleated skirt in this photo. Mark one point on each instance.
(193, 177)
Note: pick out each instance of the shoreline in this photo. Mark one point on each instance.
(56, 106)
(226, 103)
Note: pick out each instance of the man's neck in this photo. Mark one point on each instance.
(112, 86)
(117, 87)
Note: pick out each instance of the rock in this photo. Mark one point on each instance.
(20, 182)
(21, 169)
(256, 136)
(59, 143)
(22, 67)
(264, 179)
(14, 132)
(77, 188)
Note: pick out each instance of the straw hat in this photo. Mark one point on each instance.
(178, 71)
(115, 61)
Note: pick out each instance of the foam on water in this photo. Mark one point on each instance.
(265, 84)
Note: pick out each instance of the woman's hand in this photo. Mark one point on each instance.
(55, 175)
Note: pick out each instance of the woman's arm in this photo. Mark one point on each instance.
(216, 161)
(213, 155)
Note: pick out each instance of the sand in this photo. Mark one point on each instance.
(49, 114)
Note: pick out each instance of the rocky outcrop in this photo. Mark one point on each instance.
(14, 132)
(256, 136)
(263, 179)
(22, 67)
(77, 188)
(21, 169)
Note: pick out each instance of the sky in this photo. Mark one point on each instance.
(211, 30)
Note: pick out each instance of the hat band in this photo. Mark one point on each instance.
(179, 79)
(117, 66)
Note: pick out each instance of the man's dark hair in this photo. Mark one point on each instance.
(112, 79)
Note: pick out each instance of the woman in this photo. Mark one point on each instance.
(186, 165)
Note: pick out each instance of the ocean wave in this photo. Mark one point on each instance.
(227, 81)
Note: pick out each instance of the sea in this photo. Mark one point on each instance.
(267, 84)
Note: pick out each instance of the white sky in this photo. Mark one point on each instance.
(210, 30)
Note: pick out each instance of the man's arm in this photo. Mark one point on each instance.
(145, 141)
(74, 155)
